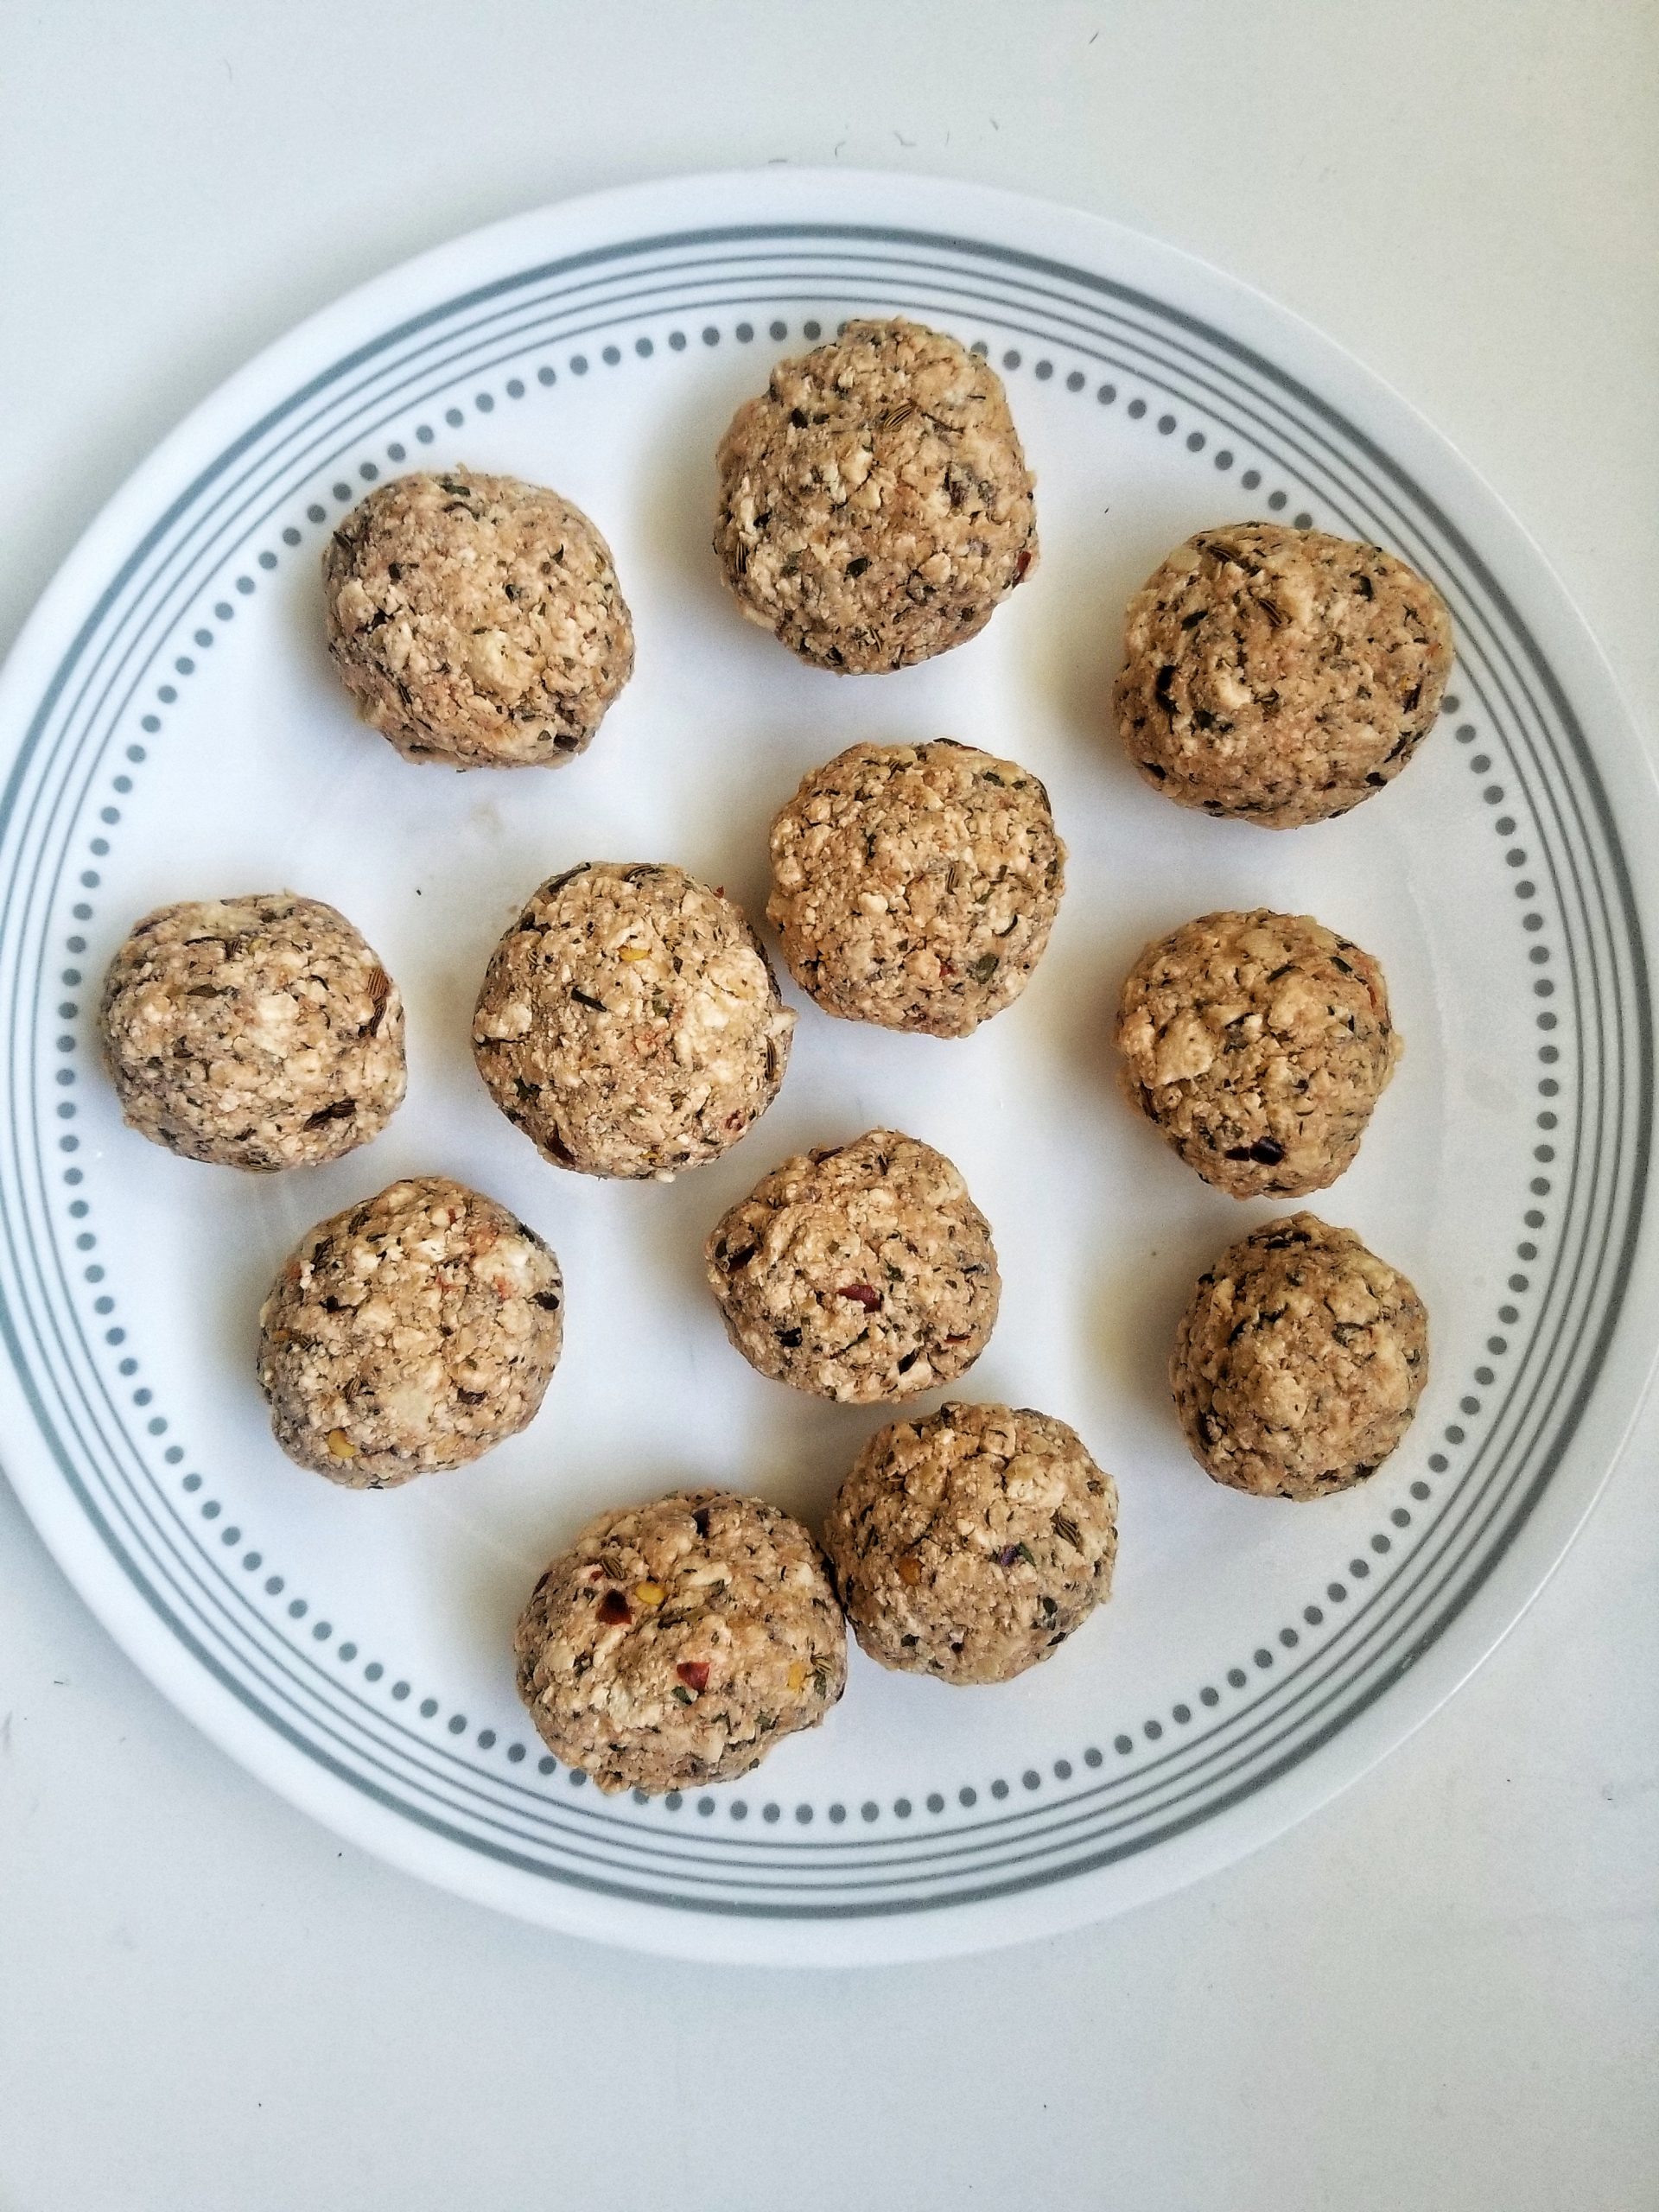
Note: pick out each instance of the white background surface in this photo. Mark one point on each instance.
(1442, 1992)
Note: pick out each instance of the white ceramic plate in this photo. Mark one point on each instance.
(172, 730)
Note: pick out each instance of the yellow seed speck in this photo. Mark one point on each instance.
(340, 1445)
(634, 952)
(798, 1672)
(910, 1570)
(649, 1593)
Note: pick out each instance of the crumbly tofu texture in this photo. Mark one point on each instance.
(476, 621)
(874, 505)
(1280, 676)
(861, 1271)
(411, 1332)
(1257, 1044)
(630, 1023)
(260, 1033)
(970, 1545)
(674, 1643)
(1299, 1360)
(915, 886)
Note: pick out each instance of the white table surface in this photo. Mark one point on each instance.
(1444, 1990)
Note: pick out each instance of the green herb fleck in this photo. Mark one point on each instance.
(985, 967)
(1026, 1553)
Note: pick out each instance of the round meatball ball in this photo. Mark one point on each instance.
(1257, 1045)
(970, 1544)
(259, 1032)
(674, 1644)
(915, 886)
(1299, 1363)
(413, 1331)
(861, 1271)
(630, 1023)
(1280, 676)
(874, 503)
(477, 620)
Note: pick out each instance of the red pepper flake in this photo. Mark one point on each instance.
(694, 1673)
(613, 1610)
(1021, 565)
(862, 1294)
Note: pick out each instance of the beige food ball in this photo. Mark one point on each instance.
(476, 621)
(1280, 676)
(861, 1271)
(630, 1023)
(874, 503)
(676, 1643)
(1299, 1360)
(915, 886)
(1257, 1045)
(412, 1332)
(260, 1033)
(970, 1545)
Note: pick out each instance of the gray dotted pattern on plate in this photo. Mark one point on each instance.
(292, 538)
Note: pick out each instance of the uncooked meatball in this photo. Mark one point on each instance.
(414, 1332)
(477, 620)
(874, 503)
(259, 1032)
(1280, 676)
(861, 1271)
(630, 1023)
(674, 1644)
(1257, 1045)
(970, 1544)
(1299, 1363)
(915, 886)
